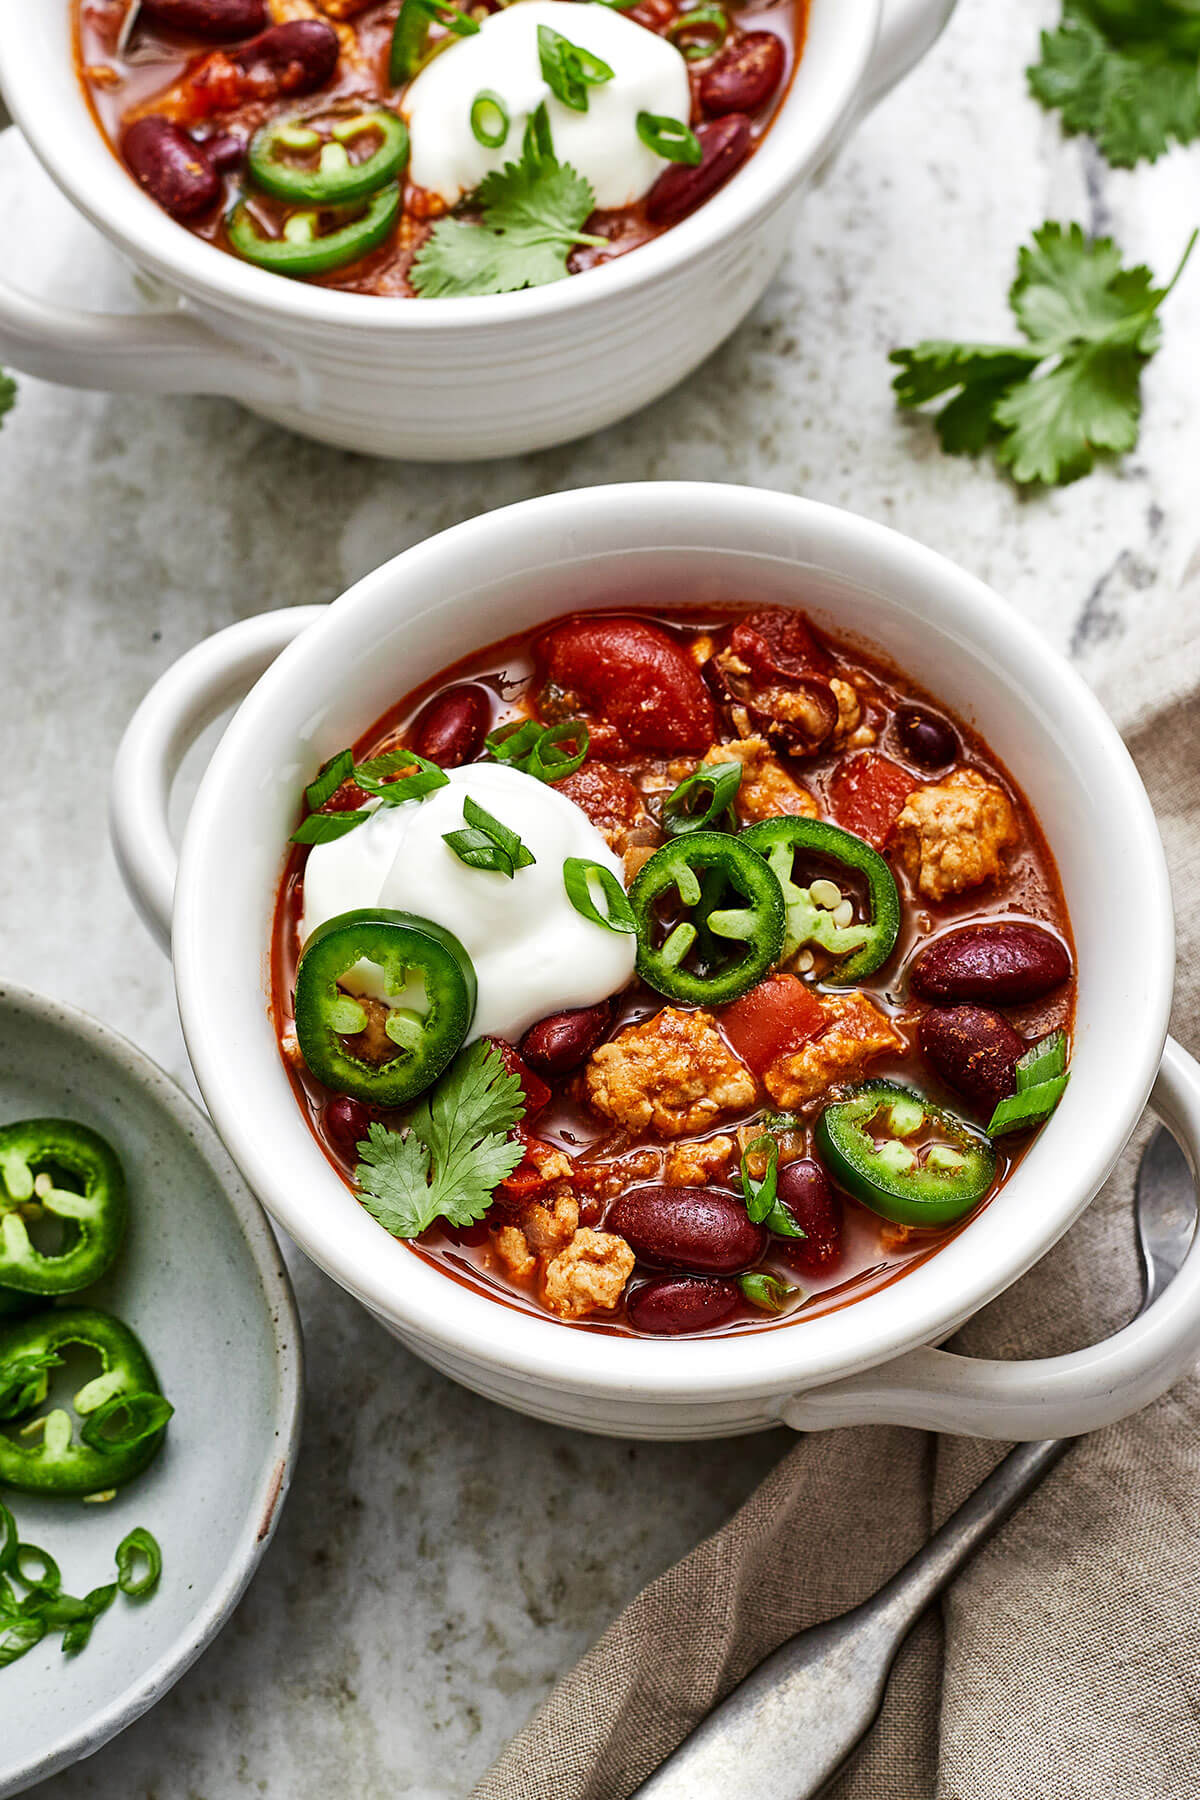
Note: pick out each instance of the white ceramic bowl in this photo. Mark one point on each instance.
(434, 378)
(343, 666)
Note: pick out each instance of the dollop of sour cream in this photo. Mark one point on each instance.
(533, 953)
(601, 144)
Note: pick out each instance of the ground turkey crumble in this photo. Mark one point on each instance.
(856, 1033)
(953, 834)
(579, 1271)
(673, 1074)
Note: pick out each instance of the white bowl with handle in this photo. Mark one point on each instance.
(432, 379)
(323, 675)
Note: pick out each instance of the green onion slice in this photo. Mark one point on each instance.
(411, 36)
(760, 1192)
(1043, 1062)
(328, 780)
(19, 1634)
(487, 844)
(669, 138)
(578, 874)
(138, 1545)
(324, 828)
(568, 69)
(37, 1569)
(537, 749)
(489, 119)
(699, 33)
(377, 777)
(1027, 1107)
(711, 789)
(126, 1420)
(770, 1292)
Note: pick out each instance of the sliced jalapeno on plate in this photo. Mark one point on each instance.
(417, 959)
(862, 946)
(333, 179)
(905, 1158)
(123, 1409)
(67, 1172)
(709, 916)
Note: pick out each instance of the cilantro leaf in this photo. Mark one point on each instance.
(1049, 406)
(8, 394)
(1126, 72)
(453, 1152)
(532, 212)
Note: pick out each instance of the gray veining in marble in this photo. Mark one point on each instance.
(441, 1560)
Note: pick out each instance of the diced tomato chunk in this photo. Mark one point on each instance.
(867, 792)
(637, 685)
(530, 1175)
(534, 1088)
(775, 1017)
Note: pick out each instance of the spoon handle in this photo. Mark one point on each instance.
(797, 1717)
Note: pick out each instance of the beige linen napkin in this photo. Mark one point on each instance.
(1065, 1664)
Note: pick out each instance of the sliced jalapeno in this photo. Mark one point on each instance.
(334, 180)
(330, 1021)
(68, 1172)
(905, 1158)
(303, 249)
(52, 1459)
(861, 947)
(710, 919)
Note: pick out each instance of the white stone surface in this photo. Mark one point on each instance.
(441, 1561)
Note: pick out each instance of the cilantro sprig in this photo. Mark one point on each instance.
(1126, 72)
(453, 1153)
(8, 394)
(531, 218)
(1048, 407)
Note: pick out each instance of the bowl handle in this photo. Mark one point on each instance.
(1054, 1396)
(193, 692)
(146, 353)
(907, 29)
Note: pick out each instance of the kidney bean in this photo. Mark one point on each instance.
(640, 687)
(974, 1050)
(925, 739)
(806, 1193)
(726, 144)
(224, 19)
(744, 76)
(559, 1043)
(700, 1229)
(1005, 963)
(295, 57)
(450, 728)
(225, 152)
(171, 167)
(676, 1303)
(347, 1122)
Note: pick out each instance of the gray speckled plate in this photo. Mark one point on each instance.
(202, 1282)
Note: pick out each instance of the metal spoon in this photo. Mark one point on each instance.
(127, 26)
(796, 1719)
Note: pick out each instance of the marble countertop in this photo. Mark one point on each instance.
(441, 1561)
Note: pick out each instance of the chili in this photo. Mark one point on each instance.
(335, 180)
(35, 1158)
(328, 1018)
(731, 924)
(305, 250)
(864, 1142)
(55, 1461)
(859, 948)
